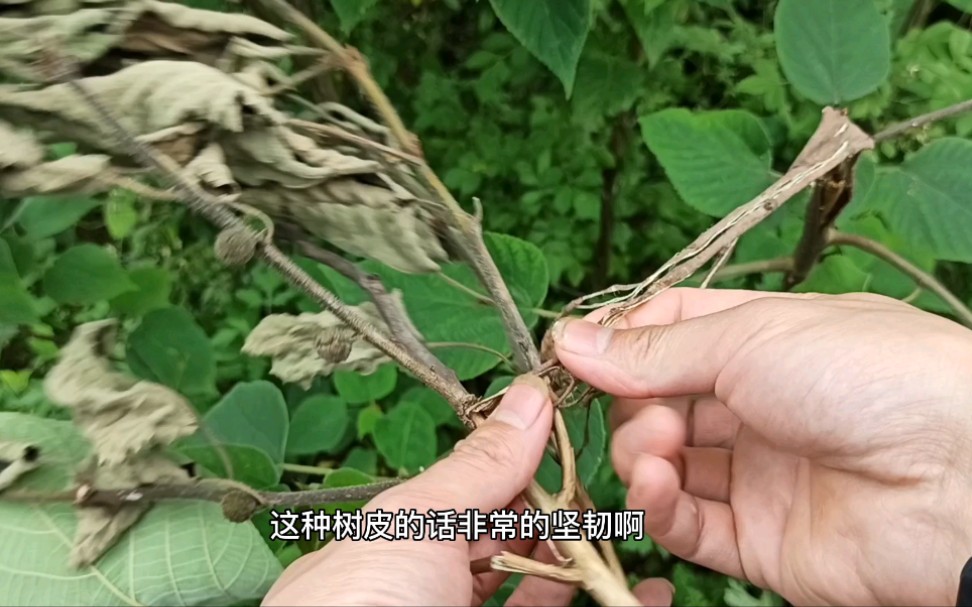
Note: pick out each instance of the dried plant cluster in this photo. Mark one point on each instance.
(190, 106)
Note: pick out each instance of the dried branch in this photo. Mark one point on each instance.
(514, 563)
(211, 490)
(466, 231)
(339, 133)
(919, 121)
(389, 305)
(211, 208)
(835, 140)
(922, 279)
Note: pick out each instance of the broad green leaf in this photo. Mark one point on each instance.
(606, 85)
(252, 414)
(242, 463)
(713, 166)
(445, 313)
(43, 216)
(16, 304)
(86, 274)
(360, 458)
(962, 5)
(405, 437)
(926, 199)
(170, 348)
(553, 30)
(153, 286)
(833, 51)
(180, 553)
(434, 404)
(835, 274)
(356, 388)
(351, 12)
(318, 425)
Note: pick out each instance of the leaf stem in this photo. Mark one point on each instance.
(904, 126)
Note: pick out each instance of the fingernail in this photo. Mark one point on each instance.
(582, 337)
(523, 402)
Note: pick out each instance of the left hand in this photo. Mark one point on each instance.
(486, 471)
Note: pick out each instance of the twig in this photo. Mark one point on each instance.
(213, 491)
(468, 237)
(390, 307)
(919, 121)
(210, 208)
(780, 264)
(568, 461)
(719, 263)
(922, 279)
(514, 563)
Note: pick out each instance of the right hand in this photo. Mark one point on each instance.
(819, 446)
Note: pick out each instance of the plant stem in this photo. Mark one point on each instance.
(922, 279)
(919, 121)
(302, 469)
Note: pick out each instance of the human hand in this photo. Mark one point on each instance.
(819, 446)
(486, 471)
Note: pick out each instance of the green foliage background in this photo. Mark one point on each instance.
(599, 144)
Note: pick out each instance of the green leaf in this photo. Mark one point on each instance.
(252, 414)
(833, 51)
(170, 348)
(86, 274)
(360, 458)
(120, 213)
(242, 463)
(405, 437)
(183, 553)
(16, 304)
(319, 424)
(554, 31)
(926, 199)
(606, 85)
(153, 286)
(715, 163)
(357, 388)
(351, 12)
(367, 418)
(962, 5)
(435, 405)
(44, 216)
(443, 312)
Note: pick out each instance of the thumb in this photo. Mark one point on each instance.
(488, 469)
(677, 359)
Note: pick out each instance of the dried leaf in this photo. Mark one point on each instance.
(18, 149)
(121, 415)
(86, 34)
(100, 527)
(361, 219)
(291, 341)
(16, 460)
(146, 97)
(87, 174)
(208, 170)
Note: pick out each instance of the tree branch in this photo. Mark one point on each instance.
(211, 208)
(919, 121)
(922, 279)
(468, 237)
(211, 490)
(389, 305)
